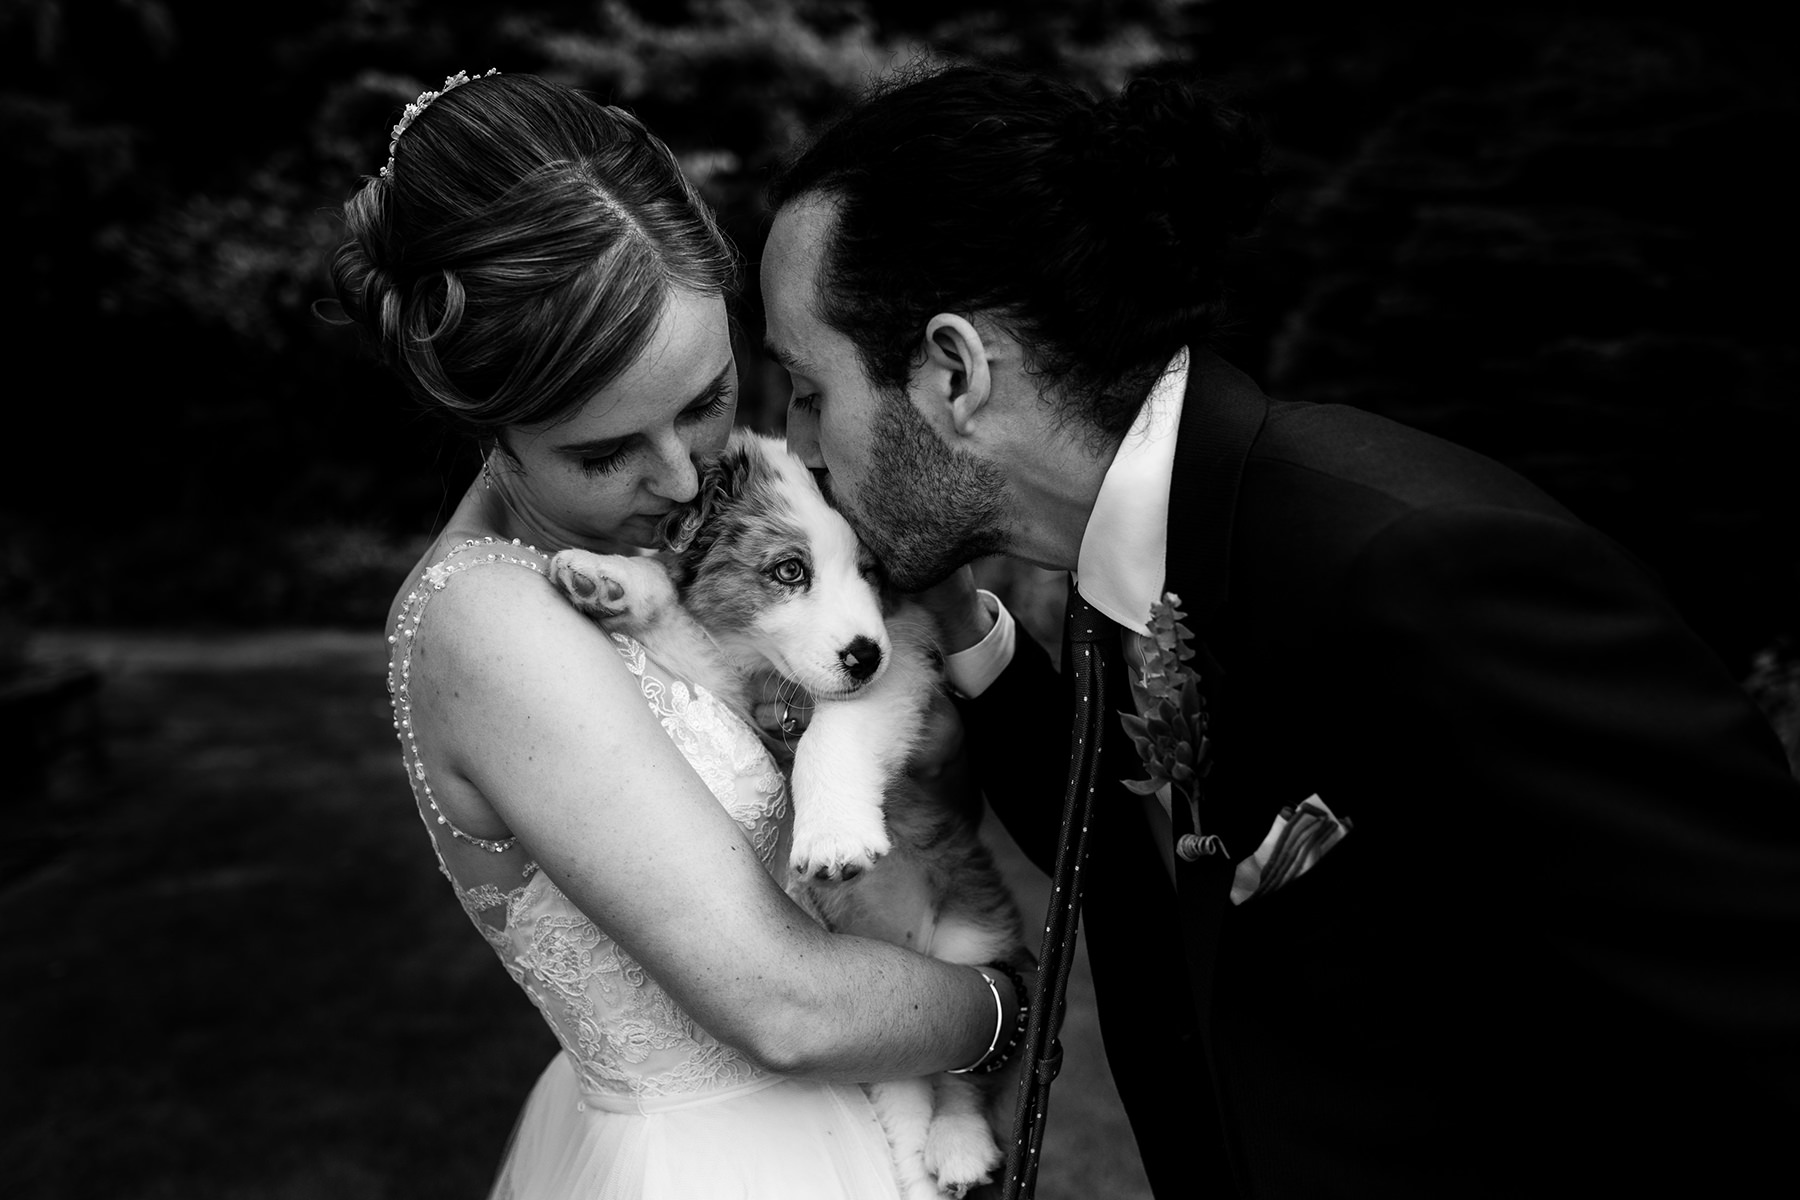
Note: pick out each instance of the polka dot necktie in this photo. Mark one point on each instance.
(1089, 632)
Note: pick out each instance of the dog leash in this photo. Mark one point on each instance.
(1087, 631)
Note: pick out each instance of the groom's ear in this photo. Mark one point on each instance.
(956, 378)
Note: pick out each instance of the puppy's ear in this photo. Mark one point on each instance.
(681, 526)
(721, 481)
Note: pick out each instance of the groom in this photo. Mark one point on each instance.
(1493, 885)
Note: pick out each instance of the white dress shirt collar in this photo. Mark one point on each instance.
(1119, 569)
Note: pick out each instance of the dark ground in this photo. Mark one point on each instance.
(232, 970)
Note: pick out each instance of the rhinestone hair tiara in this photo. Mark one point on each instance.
(418, 106)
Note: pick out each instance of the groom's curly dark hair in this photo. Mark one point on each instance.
(1094, 228)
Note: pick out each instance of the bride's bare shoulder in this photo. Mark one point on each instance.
(487, 599)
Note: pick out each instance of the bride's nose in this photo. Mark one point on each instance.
(677, 475)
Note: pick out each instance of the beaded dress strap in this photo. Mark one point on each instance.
(406, 627)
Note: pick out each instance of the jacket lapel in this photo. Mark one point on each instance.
(1220, 418)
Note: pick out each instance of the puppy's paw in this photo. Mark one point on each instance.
(840, 846)
(839, 830)
(960, 1151)
(591, 582)
(612, 587)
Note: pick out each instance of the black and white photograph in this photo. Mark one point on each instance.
(859, 600)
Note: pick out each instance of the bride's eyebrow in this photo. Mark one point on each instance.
(706, 395)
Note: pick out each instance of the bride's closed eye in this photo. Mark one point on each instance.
(807, 404)
(714, 406)
(603, 464)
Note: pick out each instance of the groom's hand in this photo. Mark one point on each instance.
(940, 762)
(962, 618)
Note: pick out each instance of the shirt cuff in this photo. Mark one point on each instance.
(971, 671)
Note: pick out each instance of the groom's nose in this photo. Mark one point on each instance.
(803, 437)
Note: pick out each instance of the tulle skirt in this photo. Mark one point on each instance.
(793, 1140)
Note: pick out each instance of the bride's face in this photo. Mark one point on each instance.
(603, 476)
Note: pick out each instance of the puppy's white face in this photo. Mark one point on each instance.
(783, 577)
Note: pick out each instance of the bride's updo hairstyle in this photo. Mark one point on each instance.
(1095, 229)
(518, 253)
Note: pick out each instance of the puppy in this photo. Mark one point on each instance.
(763, 573)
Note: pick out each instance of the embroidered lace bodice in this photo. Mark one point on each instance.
(632, 1048)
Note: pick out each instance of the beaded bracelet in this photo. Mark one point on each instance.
(996, 1056)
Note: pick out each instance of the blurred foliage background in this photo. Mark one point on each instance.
(1557, 232)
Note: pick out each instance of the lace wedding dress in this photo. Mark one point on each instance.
(641, 1104)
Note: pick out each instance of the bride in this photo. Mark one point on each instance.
(535, 269)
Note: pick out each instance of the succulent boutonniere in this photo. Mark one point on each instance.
(1170, 735)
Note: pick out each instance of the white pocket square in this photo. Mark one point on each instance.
(1299, 838)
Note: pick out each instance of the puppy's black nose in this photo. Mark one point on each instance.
(860, 658)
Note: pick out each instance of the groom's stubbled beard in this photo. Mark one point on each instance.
(924, 509)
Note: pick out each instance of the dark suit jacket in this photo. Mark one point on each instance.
(1560, 952)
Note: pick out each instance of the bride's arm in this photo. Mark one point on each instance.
(536, 710)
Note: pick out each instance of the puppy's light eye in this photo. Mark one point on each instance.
(790, 571)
